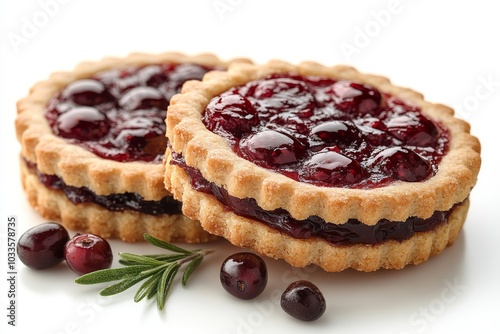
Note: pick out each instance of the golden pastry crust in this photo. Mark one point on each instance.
(128, 225)
(211, 154)
(79, 167)
(244, 232)
(76, 165)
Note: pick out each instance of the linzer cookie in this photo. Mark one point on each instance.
(323, 165)
(93, 141)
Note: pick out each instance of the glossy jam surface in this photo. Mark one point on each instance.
(113, 202)
(120, 114)
(327, 132)
(348, 233)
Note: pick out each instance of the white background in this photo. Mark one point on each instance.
(447, 50)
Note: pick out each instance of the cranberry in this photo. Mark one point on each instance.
(143, 98)
(374, 131)
(357, 98)
(303, 300)
(413, 129)
(403, 164)
(244, 275)
(83, 123)
(136, 132)
(335, 133)
(285, 93)
(152, 76)
(87, 92)
(332, 167)
(185, 72)
(42, 246)
(233, 113)
(270, 147)
(86, 253)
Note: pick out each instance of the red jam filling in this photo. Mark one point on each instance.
(120, 114)
(351, 232)
(114, 202)
(328, 132)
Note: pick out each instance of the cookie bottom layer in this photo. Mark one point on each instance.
(252, 234)
(126, 225)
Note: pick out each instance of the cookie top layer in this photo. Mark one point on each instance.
(57, 145)
(213, 154)
(328, 132)
(119, 114)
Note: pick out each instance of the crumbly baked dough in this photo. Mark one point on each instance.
(244, 232)
(81, 168)
(212, 156)
(127, 225)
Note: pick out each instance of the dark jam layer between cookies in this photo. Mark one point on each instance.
(120, 114)
(328, 132)
(113, 202)
(351, 232)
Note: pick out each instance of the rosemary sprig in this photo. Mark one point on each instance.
(157, 271)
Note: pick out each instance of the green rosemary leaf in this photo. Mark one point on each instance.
(165, 245)
(154, 288)
(140, 259)
(167, 257)
(128, 263)
(165, 284)
(121, 286)
(158, 272)
(154, 270)
(112, 274)
(147, 287)
(191, 267)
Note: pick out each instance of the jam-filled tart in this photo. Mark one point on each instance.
(93, 141)
(323, 165)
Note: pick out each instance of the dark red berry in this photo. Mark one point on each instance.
(83, 123)
(334, 133)
(333, 168)
(42, 246)
(143, 97)
(413, 129)
(270, 147)
(183, 72)
(357, 98)
(403, 164)
(279, 93)
(303, 300)
(244, 275)
(374, 131)
(86, 253)
(87, 92)
(152, 76)
(232, 112)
